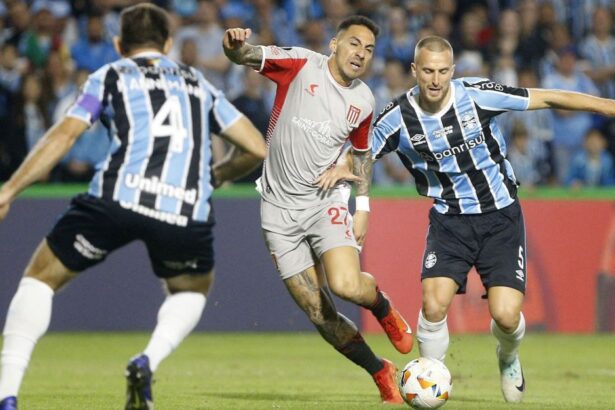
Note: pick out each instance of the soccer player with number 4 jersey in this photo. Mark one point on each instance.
(445, 133)
(154, 186)
(320, 104)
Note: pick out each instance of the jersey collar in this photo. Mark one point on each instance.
(413, 97)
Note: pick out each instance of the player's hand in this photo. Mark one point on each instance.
(234, 38)
(359, 226)
(333, 175)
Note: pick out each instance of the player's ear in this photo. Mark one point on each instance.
(167, 46)
(333, 45)
(413, 69)
(452, 70)
(117, 45)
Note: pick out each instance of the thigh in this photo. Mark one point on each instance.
(87, 233)
(177, 250)
(291, 254)
(328, 227)
(502, 260)
(450, 249)
(285, 239)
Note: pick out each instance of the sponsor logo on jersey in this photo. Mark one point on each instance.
(443, 132)
(158, 70)
(353, 115)
(457, 149)
(154, 186)
(319, 130)
(160, 83)
(489, 85)
(87, 250)
(431, 260)
(418, 139)
(468, 121)
(167, 217)
(311, 89)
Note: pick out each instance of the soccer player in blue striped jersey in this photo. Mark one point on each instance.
(155, 186)
(445, 133)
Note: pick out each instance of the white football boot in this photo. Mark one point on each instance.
(511, 379)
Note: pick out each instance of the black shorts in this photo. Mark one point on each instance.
(493, 242)
(92, 228)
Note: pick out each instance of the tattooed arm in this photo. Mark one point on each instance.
(240, 52)
(362, 168)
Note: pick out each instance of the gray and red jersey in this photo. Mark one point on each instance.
(313, 116)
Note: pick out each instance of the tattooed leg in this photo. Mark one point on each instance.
(310, 293)
(314, 299)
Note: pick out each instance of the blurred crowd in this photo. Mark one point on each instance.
(48, 48)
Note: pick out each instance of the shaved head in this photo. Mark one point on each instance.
(433, 43)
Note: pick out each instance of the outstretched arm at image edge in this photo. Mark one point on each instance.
(570, 100)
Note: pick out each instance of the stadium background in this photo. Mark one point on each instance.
(49, 47)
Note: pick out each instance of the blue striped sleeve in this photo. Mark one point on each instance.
(385, 134)
(224, 113)
(90, 102)
(492, 96)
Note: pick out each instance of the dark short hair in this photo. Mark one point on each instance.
(359, 21)
(143, 25)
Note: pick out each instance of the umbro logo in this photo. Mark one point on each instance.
(311, 89)
(418, 139)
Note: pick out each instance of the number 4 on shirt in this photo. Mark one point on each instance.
(168, 123)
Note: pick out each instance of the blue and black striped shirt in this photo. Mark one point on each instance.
(456, 156)
(160, 115)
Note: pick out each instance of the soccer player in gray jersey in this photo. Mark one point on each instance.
(155, 186)
(320, 104)
(445, 133)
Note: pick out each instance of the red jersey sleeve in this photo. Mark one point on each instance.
(359, 137)
(281, 65)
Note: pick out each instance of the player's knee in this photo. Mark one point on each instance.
(53, 275)
(434, 310)
(190, 283)
(507, 319)
(346, 287)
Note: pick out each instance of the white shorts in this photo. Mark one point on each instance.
(296, 237)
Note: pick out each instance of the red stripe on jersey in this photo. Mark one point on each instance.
(278, 103)
(359, 137)
(282, 70)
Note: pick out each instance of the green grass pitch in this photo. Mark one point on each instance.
(300, 371)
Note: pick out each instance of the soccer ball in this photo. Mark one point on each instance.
(425, 383)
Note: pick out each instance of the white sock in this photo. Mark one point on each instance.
(178, 315)
(27, 320)
(432, 337)
(509, 342)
